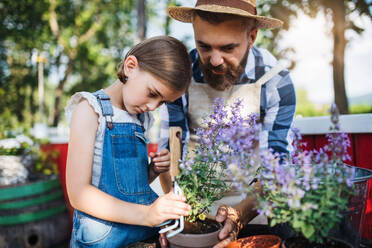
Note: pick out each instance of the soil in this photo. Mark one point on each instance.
(264, 242)
(206, 226)
(304, 243)
(259, 241)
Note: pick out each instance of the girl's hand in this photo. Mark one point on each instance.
(160, 161)
(169, 206)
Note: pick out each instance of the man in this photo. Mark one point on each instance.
(226, 64)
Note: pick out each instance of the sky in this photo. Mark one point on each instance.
(311, 39)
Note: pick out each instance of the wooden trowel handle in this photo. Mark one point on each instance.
(175, 147)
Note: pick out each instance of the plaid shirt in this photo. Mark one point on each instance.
(277, 106)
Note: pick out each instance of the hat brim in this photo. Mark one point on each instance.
(184, 14)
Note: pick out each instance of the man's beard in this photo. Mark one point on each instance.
(224, 81)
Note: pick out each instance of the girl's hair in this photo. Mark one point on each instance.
(165, 57)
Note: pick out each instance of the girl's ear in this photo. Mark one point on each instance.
(130, 64)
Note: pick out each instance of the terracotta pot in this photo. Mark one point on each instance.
(301, 242)
(206, 240)
(257, 241)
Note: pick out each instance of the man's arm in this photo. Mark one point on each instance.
(278, 106)
(171, 114)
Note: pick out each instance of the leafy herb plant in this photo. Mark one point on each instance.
(310, 191)
(226, 138)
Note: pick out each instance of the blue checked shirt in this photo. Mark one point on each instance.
(277, 106)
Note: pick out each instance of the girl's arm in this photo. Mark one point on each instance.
(89, 199)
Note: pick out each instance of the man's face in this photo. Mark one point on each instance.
(223, 49)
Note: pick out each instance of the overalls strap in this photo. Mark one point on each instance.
(105, 103)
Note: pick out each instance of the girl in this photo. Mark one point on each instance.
(107, 173)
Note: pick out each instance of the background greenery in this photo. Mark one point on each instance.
(82, 41)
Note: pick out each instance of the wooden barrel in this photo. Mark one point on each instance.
(33, 215)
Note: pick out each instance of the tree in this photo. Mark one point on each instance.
(83, 32)
(168, 20)
(141, 19)
(340, 10)
(22, 33)
(83, 41)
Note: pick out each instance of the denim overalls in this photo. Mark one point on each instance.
(124, 175)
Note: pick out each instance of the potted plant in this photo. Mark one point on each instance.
(12, 152)
(256, 241)
(309, 192)
(226, 138)
(31, 199)
(22, 160)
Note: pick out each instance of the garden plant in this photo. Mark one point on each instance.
(203, 172)
(22, 159)
(308, 190)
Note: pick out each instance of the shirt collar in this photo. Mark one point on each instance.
(251, 65)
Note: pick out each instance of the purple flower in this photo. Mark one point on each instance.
(292, 185)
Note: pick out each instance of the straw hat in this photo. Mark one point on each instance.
(245, 8)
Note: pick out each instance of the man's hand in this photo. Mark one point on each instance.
(230, 216)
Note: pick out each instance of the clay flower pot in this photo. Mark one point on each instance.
(257, 241)
(206, 240)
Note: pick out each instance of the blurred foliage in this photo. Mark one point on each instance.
(322, 109)
(306, 108)
(36, 153)
(312, 110)
(168, 20)
(82, 42)
(287, 10)
(360, 109)
(44, 161)
(22, 29)
(340, 13)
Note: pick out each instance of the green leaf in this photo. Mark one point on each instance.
(297, 224)
(307, 230)
(272, 222)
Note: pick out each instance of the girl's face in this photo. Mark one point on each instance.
(143, 92)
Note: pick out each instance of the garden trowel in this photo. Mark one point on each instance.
(175, 147)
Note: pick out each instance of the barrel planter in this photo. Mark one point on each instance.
(61, 163)
(33, 215)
